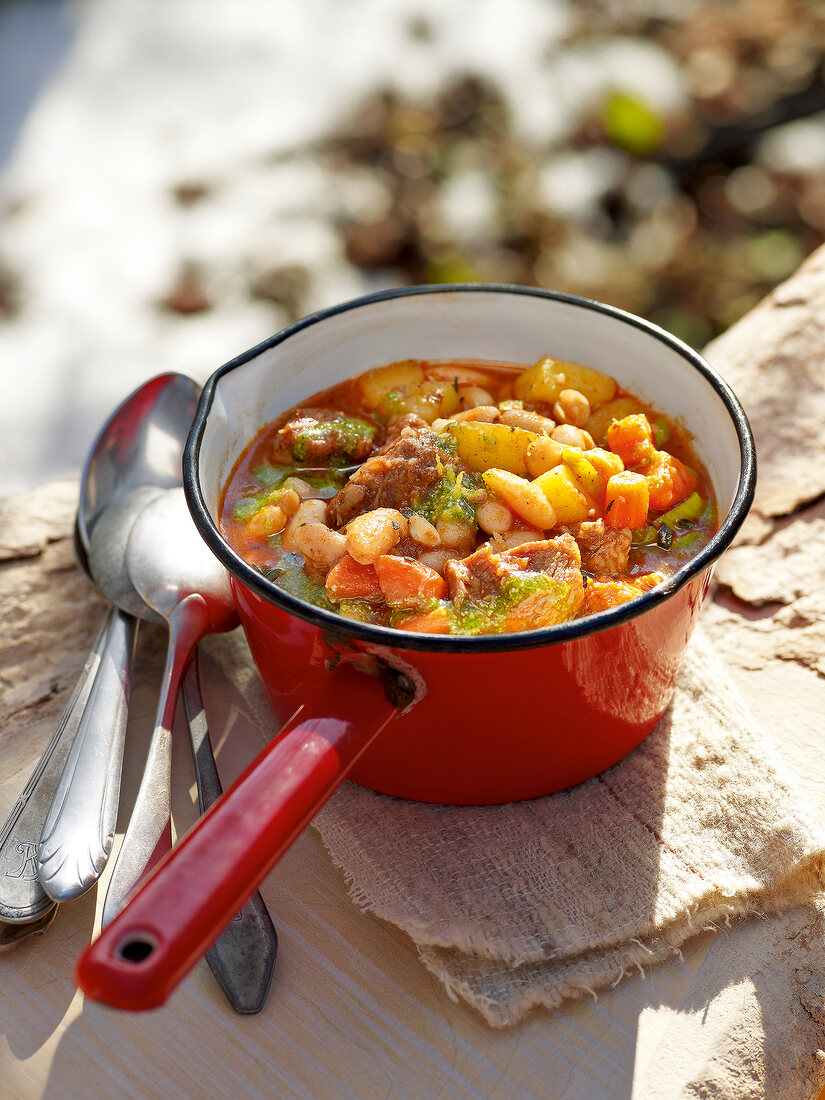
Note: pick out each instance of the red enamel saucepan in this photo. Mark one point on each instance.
(446, 719)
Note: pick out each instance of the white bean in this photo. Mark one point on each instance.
(424, 533)
(491, 516)
(303, 488)
(437, 559)
(472, 396)
(456, 536)
(482, 414)
(529, 421)
(319, 544)
(287, 500)
(268, 520)
(570, 436)
(572, 407)
(308, 511)
(375, 533)
(542, 455)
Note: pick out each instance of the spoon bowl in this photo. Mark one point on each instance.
(107, 551)
(167, 561)
(62, 828)
(136, 456)
(140, 445)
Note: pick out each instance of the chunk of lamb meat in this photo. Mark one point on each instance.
(603, 593)
(604, 550)
(394, 478)
(397, 426)
(313, 436)
(484, 576)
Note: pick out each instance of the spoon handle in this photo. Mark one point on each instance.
(148, 836)
(80, 826)
(243, 957)
(22, 898)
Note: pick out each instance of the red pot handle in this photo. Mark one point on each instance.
(184, 905)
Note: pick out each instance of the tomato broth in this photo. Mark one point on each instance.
(469, 497)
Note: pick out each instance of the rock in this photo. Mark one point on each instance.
(50, 612)
(774, 360)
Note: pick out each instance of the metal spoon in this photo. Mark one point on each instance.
(23, 902)
(135, 457)
(174, 572)
(130, 450)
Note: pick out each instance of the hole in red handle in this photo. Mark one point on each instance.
(137, 948)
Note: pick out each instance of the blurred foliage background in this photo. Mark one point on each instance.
(685, 209)
(182, 180)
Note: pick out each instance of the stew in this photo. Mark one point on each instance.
(469, 497)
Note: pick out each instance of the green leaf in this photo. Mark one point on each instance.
(451, 268)
(631, 123)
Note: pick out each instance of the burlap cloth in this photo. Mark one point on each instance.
(529, 903)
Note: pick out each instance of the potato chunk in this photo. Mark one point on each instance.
(566, 498)
(492, 446)
(429, 400)
(376, 384)
(549, 377)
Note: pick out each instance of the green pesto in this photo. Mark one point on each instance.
(448, 498)
(272, 478)
(487, 616)
(345, 433)
(243, 510)
(293, 578)
(392, 403)
(356, 609)
(521, 586)
(446, 444)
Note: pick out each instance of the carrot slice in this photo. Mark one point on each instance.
(349, 580)
(406, 583)
(435, 621)
(631, 438)
(626, 500)
(669, 481)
